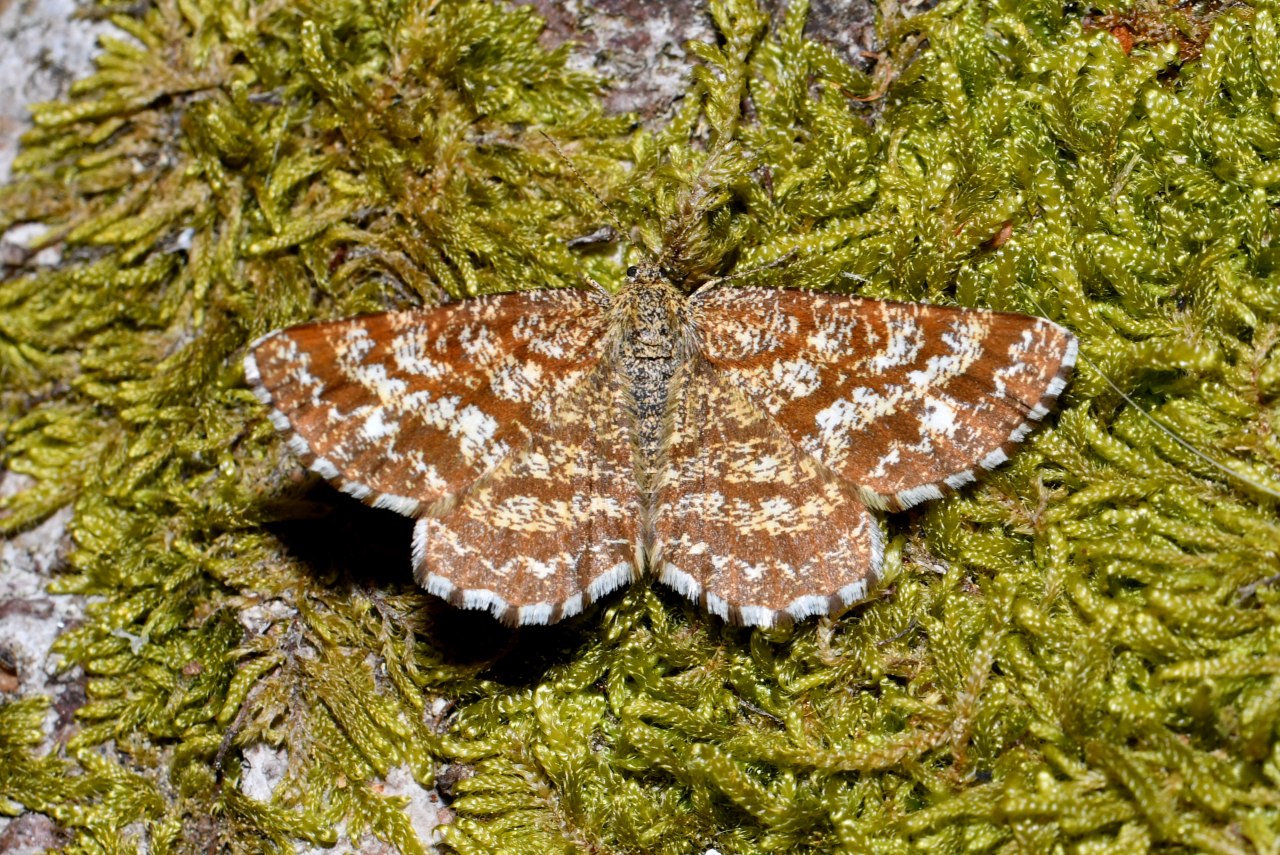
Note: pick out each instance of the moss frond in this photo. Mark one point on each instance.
(1078, 654)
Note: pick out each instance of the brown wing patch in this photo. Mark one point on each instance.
(403, 408)
(553, 528)
(905, 400)
(747, 522)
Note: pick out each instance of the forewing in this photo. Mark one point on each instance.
(553, 528)
(904, 399)
(748, 523)
(403, 408)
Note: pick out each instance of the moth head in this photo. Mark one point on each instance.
(644, 273)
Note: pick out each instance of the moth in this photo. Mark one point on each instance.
(737, 442)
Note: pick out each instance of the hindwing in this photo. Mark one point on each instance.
(553, 527)
(748, 523)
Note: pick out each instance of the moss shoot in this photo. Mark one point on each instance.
(1080, 654)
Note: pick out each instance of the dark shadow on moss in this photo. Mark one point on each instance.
(515, 657)
(342, 541)
(338, 537)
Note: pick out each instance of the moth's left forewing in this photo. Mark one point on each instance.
(906, 400)
(402, 409)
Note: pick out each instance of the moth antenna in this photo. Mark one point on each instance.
(738, 274)
(1216, 464)
(1142, 411)
(608, 212)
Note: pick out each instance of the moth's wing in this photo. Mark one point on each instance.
(905, 400)
(403, 408)
(554, 527)
(748, 523)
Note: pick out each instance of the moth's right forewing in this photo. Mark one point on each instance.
(404, 408)
(906, 400)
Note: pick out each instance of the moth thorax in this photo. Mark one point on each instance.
(653, 336)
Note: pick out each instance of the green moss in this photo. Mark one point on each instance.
(1079, 654)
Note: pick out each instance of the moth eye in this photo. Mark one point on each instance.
(632, 271)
